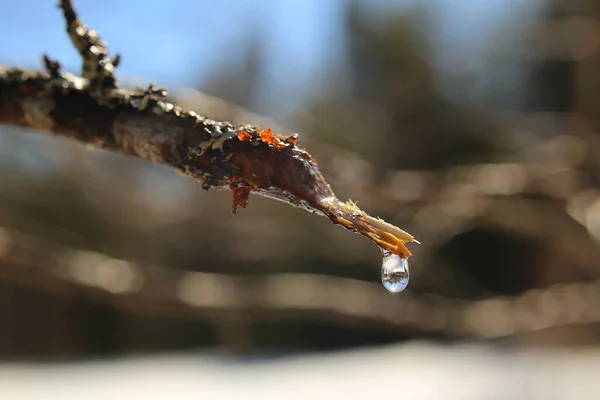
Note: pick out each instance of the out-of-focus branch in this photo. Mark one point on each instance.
(95, 110)
(143, 288)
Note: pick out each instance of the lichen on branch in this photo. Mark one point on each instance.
(93, 109)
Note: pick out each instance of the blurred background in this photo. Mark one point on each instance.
(472, 124)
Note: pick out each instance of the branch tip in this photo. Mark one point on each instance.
(52, 66)
(116, 60)
(68, 11)
(387, 236)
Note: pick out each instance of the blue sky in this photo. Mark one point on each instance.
(177, 42)
(180, 41)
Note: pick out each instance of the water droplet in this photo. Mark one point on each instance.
(394, 272)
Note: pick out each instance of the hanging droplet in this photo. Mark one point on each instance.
(394, 272)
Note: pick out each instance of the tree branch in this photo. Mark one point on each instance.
(93, 109)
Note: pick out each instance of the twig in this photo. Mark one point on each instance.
(97, 67)
(94, 110)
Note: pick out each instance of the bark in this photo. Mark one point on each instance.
(93, 109)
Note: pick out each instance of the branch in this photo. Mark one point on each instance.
(93, 109)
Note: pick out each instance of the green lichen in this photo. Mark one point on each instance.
(217, 139)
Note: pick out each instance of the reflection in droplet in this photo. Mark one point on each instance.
(394, 272)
